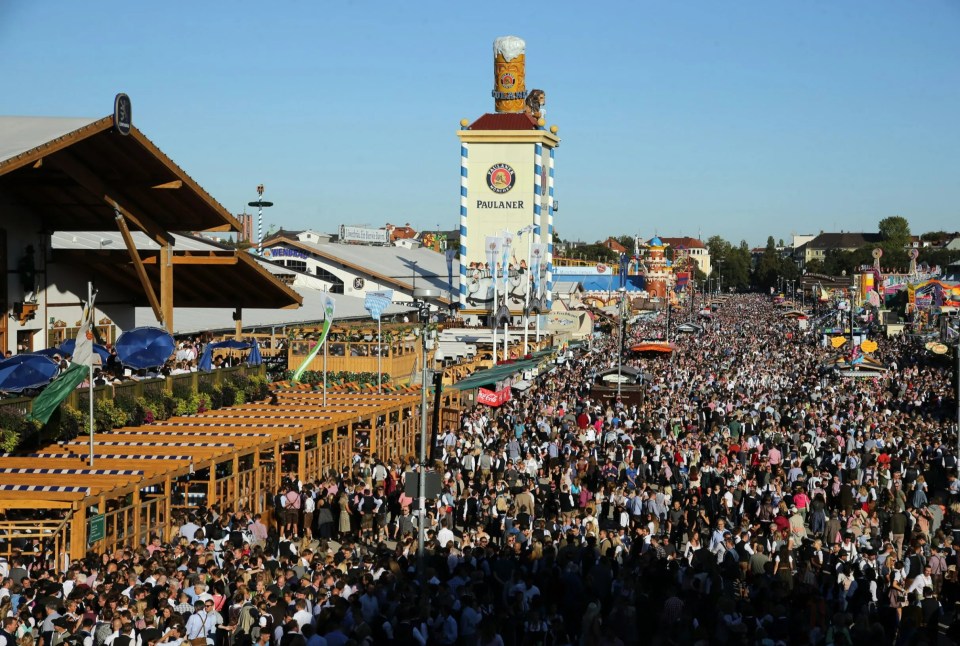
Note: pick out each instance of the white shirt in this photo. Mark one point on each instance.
(444, 536)
(919, 583)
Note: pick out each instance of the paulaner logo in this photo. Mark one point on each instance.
(501, 178)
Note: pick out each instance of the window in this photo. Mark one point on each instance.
(296, 265)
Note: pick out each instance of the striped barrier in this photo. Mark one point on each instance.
(113, 456)
(72, 472)
(193, 444)
(45, 488)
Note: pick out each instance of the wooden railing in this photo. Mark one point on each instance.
(397, 361)
(46, 540)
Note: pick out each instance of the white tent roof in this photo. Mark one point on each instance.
(20, 134)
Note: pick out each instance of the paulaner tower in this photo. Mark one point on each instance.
(507, 192)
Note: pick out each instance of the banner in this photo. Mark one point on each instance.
(538, 251)
(364, 234)
(50, 399)
(624, 264)
(376, 302)
(507, 238)
(493, 398)
(493, 246)
(328, 308)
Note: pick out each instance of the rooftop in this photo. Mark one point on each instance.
(394, 266)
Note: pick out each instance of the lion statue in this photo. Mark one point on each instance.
(534, 103)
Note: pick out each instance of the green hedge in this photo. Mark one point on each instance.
(17, 432)
(315, 377)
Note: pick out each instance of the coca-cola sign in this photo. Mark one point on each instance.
(493, 398)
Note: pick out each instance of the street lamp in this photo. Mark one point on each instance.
(260, 204)
(853, 306)
(422, 297)
(623, 322)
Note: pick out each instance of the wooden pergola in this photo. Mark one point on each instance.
(234, 458)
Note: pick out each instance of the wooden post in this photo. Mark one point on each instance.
(212, 486)
(257, 483)
(167, 509)
(78, 532)
(236, 481)
(373, 431)
(166, 286)
(302, 458)
(277, 468)
(137, 535)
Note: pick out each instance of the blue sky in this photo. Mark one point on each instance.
(744, 119)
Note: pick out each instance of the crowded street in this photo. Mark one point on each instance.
(752, 496)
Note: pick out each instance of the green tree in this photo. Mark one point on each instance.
(815, 266)
(894, 230)
(626, 241)
(768, 267)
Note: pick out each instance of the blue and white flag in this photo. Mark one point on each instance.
(538, 251)
(376, 302)
(507, 238)
(493, 246)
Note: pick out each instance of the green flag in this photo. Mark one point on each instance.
(47, 402)
(328, 307)
(59, 389)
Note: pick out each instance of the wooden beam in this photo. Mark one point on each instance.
(34, 504)
(175, 184)
(194, 260)
(87, 179)
(138, 266)
(166, 286)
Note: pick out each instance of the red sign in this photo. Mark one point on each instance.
(491, 398)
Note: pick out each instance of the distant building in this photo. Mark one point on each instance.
(401, 233)
(817, 248)
(687, 247)
(613, 245)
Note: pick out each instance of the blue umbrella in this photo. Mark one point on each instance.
(24, 371)
(68, 346)
(144, 347)
(206, 359)
(254, 359)
(50, 352)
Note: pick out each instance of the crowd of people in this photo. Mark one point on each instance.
(750, 495)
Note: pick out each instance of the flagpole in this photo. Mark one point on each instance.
(526, 292)
(325, 369)
(379, 358)
(90, 320)
(493, 310)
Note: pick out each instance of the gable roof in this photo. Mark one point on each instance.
(844, 240)
(64, 170)
(684, 242)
